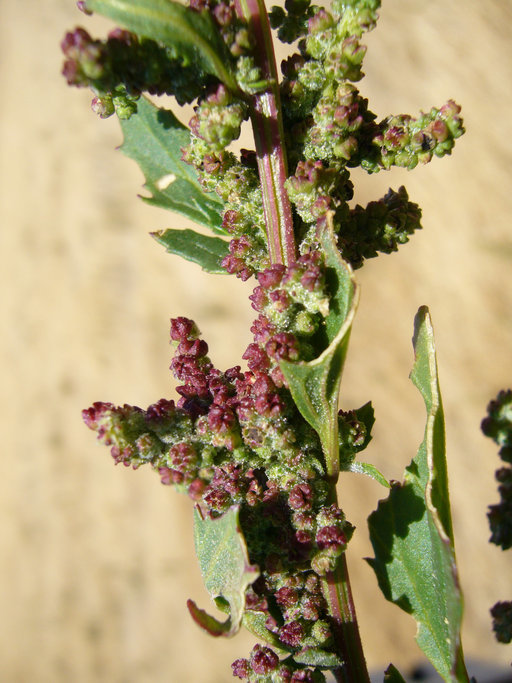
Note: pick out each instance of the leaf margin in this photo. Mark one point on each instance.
(299, 375)
(176, 240)
(420, 481)
(217, 586)
(192, 34)
(158, 160)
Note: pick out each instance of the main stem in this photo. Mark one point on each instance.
(347, 639)
(267, 124)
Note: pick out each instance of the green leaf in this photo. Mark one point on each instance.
(314, 656)
(153, 138)
(315, 385)
(207, 252)
(193, 36)
(365, 468)
(411, 530)
(392, 675)
(225, 568)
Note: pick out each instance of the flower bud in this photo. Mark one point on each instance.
(241, 668)
(263, 660)
(292, 634)
(271, 277)
(183, 329)
(300, 497)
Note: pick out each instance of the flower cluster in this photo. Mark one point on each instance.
(218, 118)
(235, 180)
(263, 666)
(292, 302)
(340, 120)
(406, 141)
(502, 621)
(379, 227)
(316, 188)
(498, 426)
(123, 66)
(236, 438)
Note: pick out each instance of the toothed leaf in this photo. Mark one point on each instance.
(225, 568)
(153, 138)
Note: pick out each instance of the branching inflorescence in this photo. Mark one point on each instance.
(264, 444)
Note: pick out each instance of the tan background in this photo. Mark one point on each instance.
(97, 561)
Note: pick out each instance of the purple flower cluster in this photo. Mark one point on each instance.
(236, 182)
(85, 58)
(133, 434)
(291, 302)
(236, 438)
(264, 662)
(338, 120)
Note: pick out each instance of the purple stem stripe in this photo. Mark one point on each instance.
(338, 594)
(268, 130)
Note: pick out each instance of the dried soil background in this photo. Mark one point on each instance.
(97, 561)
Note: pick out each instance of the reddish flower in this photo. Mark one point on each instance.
(263, 660)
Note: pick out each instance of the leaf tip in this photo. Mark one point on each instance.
(421, 317)
(207, 622)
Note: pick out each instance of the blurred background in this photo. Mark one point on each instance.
(96, 562)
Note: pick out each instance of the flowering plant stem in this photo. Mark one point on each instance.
(259, 450)
(267, 123)
(338, 593)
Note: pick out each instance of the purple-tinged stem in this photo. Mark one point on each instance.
(347, 639)
(267, 122)
(268, 130)
(338, 594)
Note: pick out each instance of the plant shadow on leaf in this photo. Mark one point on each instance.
(393, 518)
(166, 118)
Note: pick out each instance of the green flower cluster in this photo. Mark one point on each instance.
(331, 129)
(235, 180)
(382, 226)
(218, 119)
(405, 141)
